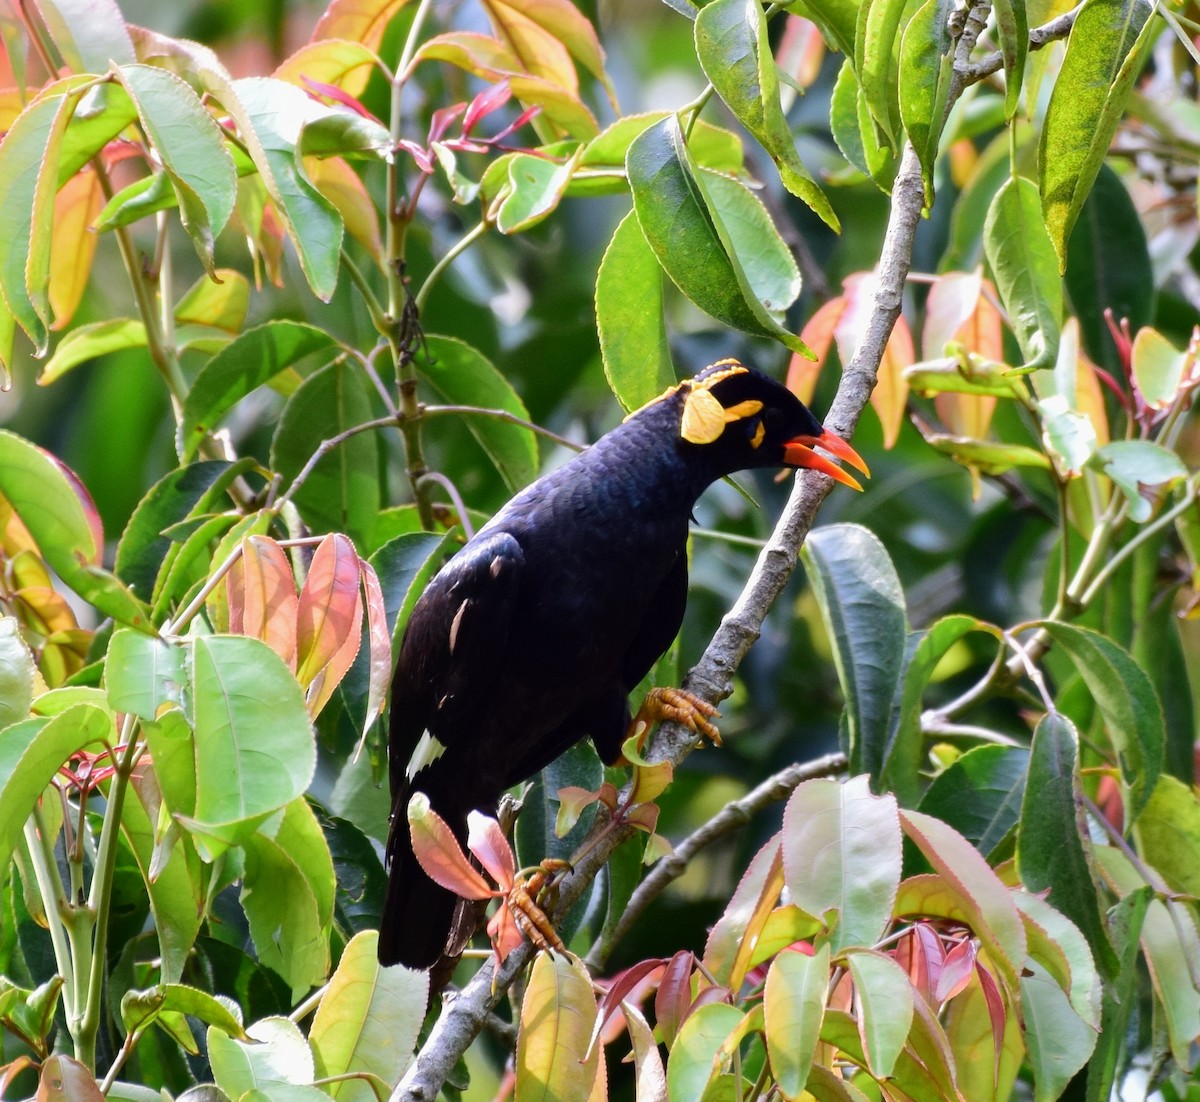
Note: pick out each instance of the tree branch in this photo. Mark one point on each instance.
(711, 678)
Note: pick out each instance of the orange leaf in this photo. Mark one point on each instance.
(503, 932)
(818, 335)
(357, 20)
(269, 602)
(439, 853)
(330, 676)
(329, 605)
(72, 245)
(951, 302)
(890, 396)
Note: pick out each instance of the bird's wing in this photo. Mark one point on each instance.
(452, 643)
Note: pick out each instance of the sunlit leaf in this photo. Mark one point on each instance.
(90, 34)
(693, 1060)
(925, 70)
(980, 794)
(1168, 834)
(1059, 1042)
(535, 187)
(72, 246)
(1157, 368)
(440, 854)
(885, 1008)
(343, 187)
(793, 1006)
(275, 1058)
(339, 61)
(265, 603)
(554, 1061)
(752, 901)
(221, 304)
(876, 52)
(16, 674)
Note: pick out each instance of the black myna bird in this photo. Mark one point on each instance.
(533, 635)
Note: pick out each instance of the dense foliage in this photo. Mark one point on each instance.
(298, 332)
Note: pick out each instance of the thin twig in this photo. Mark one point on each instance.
(1056, 29)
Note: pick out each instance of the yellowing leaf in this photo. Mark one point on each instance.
(557, 1016)
(344, 64)
(357, 20)
(340, 184)
(72, 245)
(222, 305)
(890, 396)
(818, 335)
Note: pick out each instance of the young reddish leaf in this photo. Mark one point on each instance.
(801, 51)
(329, 605)
(339, 63)
(889, 399)
(572, 801)
(643, 817)
(951, 302)
(330, 676)
(997, 1014)
(63, 1078)
(503, 932)
(927, 1041)
(762, 881)
(993, 915)
(627, 986)
(268, 599)
(920, 954)
(439, 853)
(489, 100)
(956, 973)
(674, 995)
(379, 642)
(72, 246)
(557, 1016)
(818, 335)
(486, 841)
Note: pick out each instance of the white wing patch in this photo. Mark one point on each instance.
(427, 752)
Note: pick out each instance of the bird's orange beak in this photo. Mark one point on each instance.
(798, 452)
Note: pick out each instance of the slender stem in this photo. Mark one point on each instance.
(54, 903)
(370, 299)
(460, 506)
(100, 897)
(448, 258)
(309, 1005)
(1064, 539)
(172, 627)
(325, 447)
(503, 415)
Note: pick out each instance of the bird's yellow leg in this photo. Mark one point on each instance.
(526, 908)
(677, 706)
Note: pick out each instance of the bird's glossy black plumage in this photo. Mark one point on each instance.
(533, 635)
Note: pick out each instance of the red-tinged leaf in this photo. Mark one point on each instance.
(674, 994)
(489, 100)
(557, 1015)
(956, 972)
(503, 932)
(801, 50)
(66, 1080)
(927, 1041)
(331, 64)
(951, 302)
(486, 841)
(320, 89)
(997, 1014)
(343, 187)
(357, 20)
(72, 246)
(329, 605)
(560, 105)
(643, 817)
(629, 985)
(763, 880)
(650, 1077)
(818, 335)
(920, 954)
(268, 600)
(650, 781)
(793, 1006)
(439, 853)
(994, 917)
(330, 676)
(91, 514)
(379, 642)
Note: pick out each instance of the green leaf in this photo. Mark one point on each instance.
(793, 1006)
(1104, 56)
(535, 187)
(680, 227)
(368, 1020)
(256, 357)
(140, 1008)
(48, 504)
(276, 1057)
(629, 318)
(90, 34)
(1012, 26)
(555, 1060)
(255, 750)
(1059, 1042)
(1158, 367)
(876, 63)
(87, 342)
(980, 794)
(884, 996)
(922, 653)
(191, 148)
(463, 376)
(693, 1059)
(1137, 464)
(735, 54)
(926, 66)
(1057, 944)
(341, 493)
(836, 18)
(16, 673)
(841, 857)
(1109, 267)
(1021, 256)
(270, 115)
(988, 457)
(404, 565)
(987, 903)
(1052, 839)
(144, 674)
(1168, 834)
(31, 752)
(1128, 702)
(862, 606)
(1068, 435)
(287, 894)
(854, 131)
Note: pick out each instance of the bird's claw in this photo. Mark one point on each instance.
(680, 706)
(526, 909)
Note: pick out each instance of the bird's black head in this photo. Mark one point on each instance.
(744, 419)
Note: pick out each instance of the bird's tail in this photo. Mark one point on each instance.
(418, 914)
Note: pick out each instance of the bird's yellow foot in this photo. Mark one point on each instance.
(526, 908)
(678, 706)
